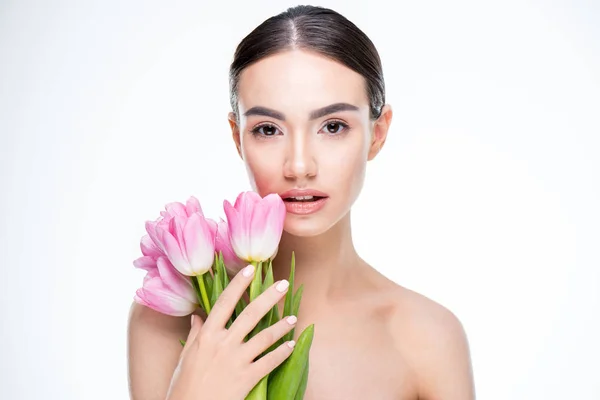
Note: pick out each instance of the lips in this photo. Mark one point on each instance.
(302, 195)
(304, 201)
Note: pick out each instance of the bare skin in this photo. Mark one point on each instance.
(373, 338)
(389, 342)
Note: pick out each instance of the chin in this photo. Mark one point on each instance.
(309, 225)
(305, 226)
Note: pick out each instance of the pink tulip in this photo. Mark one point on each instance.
(255, 225)
(191, 206)
(189, 243)
(151, 253)
(146, 263)
(149, 248)
(150, 244)
(184, 236)
(167, 291)
(223, 244)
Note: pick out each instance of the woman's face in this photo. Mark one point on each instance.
(304, 125)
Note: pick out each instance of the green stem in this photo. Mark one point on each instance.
(203, 292)
(256, 284)
(197, 290)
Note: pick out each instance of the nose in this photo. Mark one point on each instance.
(300, 162)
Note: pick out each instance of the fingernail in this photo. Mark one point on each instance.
(192, 322)
(291, 319)
(282, 286)
(248, 271)
(291, 344)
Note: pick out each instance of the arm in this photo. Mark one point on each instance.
(153, 351)
(444, 364)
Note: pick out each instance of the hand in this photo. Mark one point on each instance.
(215, 362)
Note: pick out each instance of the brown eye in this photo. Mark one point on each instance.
(269, 130)
(334, 128)
(265, 130)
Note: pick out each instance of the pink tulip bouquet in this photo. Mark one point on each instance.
(188, 258)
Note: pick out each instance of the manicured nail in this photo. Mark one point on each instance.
(282, 286)
(248, 271)
(291, 344)
(291, 319)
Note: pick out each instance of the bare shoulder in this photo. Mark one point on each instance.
(422, 318)
(153, 350)
(432, 340)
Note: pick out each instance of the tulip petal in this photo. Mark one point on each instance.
(255, 225)
(149, 247)
(151, 229)
(246, 199)
(164, 302)
(156, 295)
(212, 226)
(199, 243)
(176, 209)
(193, 206)
(223, 245)
(237, 236)
(268, 227)
(153, 273)
(173, 251)
(176, 225)
(146, 263)
(178, 283)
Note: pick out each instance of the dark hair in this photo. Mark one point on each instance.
(316, 29)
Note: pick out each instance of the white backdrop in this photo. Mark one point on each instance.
(488, 187)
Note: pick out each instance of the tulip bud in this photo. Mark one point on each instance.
(255, 225)
(167, 291)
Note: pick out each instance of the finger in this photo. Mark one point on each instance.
(257, 309)
(223, 308)
(196, 325)
(265, 339)
(272, 359)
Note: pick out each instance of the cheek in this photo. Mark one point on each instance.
(345, 168)
(263, 168)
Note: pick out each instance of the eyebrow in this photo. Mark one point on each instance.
(318, 113)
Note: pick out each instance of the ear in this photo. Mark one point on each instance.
(235, 133)
(380, 130)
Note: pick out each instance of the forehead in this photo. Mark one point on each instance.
(299, 81)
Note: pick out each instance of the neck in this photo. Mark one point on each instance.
(321, 261)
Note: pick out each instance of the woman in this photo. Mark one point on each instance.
(308, 112)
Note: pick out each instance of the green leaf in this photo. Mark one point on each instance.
(296, 301)
(303, 382)
(285, 381)
(182, 342)
(259, 392)
(289, 296)
(265, 321)
(295, 308)
(276, 317)
(217, 290)
(224, 271)
(268, 277)
(224, 279)
(208, 281)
